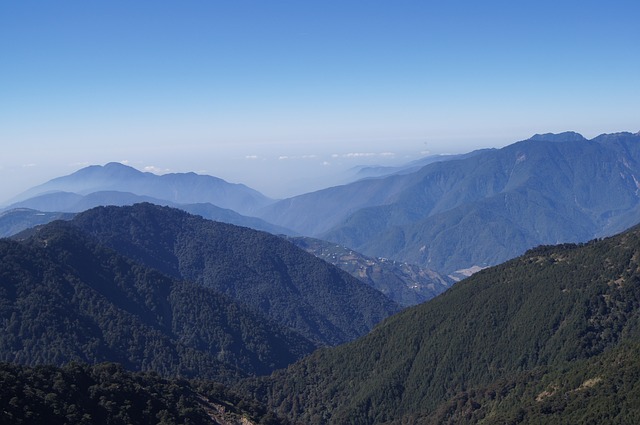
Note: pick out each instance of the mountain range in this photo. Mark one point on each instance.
(481, 209)
(444, 213)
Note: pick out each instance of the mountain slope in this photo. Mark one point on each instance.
(65, 298)
(489, 208)
(602, 389)
(314, 213)
(181, 188)
(551, 308)
(256, 268)
(406, 284)
(482, 209)
(381, 171)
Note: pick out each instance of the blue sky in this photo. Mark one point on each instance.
(260, 92)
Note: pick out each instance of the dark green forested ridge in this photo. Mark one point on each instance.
(261, 270)
(63, 298)
(550, 315)
(603, 389)
(108, 394)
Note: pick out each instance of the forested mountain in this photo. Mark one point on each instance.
(406, 284)
(549, 337)
(179, 188)
(261, 270)
(64, 297)
(483, 209)
(108, 394)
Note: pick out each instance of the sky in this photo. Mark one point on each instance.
(285, 96)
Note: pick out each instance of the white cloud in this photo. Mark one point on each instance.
(251, 157)
(367, 154)
(29, 165)
(282, 157)
(156, 170)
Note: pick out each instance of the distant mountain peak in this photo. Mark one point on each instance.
(177, 188)
(109, 169)
(117, 166)
(567, 136)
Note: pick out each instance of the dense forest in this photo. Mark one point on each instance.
(603, 389)
(108, 394)
(263, 271)
(63, 298)
(540, 323)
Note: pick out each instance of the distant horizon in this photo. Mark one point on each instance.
(349, 163)
(281, 96)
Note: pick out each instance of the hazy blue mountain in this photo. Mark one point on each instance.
(74, 203)
(483, 209)
(29, 213)
(19, 219)
(410, 167)
(50, 202)
(180, 188)
(406, 284)
(549, 337)
(64, 297)
(261, 270)
(313, 214)
(224, 215)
